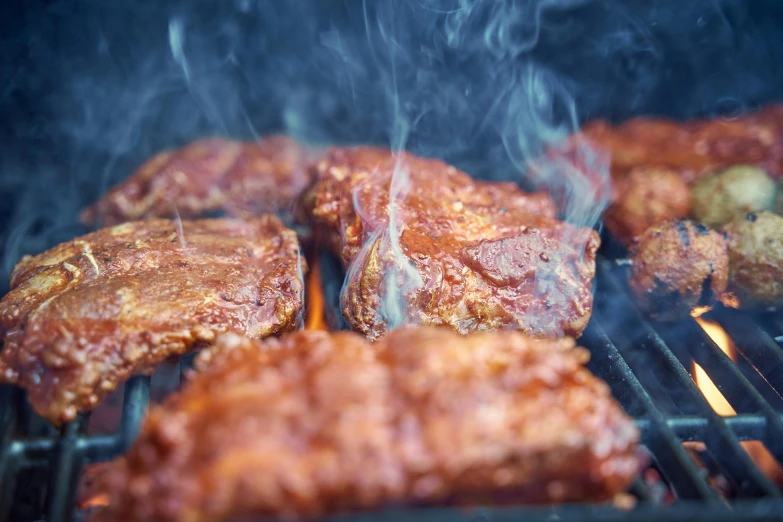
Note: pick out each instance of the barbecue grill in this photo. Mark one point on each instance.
(712, 60)
(646, 365)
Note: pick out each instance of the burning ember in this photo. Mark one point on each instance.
(756, 449)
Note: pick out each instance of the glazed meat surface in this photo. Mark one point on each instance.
(84, 316)
(317, 423)
(209, 176)
(453, 251)
(676, 266)
(693, 148)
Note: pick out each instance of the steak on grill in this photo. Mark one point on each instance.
(469, 254)
(319, 422)
(84, 316)
(208, 176)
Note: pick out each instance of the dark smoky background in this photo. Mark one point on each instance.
(90, 89)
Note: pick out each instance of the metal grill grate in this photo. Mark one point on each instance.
(645, 364)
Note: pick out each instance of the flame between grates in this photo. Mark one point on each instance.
(700, 468)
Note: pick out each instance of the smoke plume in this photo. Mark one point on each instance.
(89, 90)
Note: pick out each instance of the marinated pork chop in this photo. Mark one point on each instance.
(210, 175)
(318, 423)
(454, 251)
(84, 316)
(693, 148)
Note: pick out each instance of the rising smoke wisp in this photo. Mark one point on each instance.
(88, 90)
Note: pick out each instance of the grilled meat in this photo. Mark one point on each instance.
(317, 423)
(84, 316)
(720, 197)
(694, 148)
(676, 266)
(756, 259)
(210, 176)
(646, 196)
(468, 254)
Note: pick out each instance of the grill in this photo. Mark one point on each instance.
(646, 365)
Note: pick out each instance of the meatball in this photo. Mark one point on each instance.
(755, 244)
(733, 192)
(644, 197)
(677, 266)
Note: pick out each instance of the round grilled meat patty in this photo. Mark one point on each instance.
(87, 314)
(720, 197)
(644, 197)
(756, 259)
(676, 266)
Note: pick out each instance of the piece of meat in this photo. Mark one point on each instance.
(84, 316)
(693, 148)
(731, 193)
(756, 259)
(209, 176)
(676, 266)
(646, 196)
(454, 251)
(321, 422)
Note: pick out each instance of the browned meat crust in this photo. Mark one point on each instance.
(646, 196)
(208, 176)
(678, 265)
(472, 255)
(317, 423)
(84, 316)
(756, 259)
(694, 148)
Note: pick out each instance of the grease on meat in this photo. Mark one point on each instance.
(209, 176)
(317, 423)
(468, 254)
(677, 266)
(85, 315)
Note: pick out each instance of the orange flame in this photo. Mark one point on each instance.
(756, 449)
(711, 392)
(99, 500)
(315, 297)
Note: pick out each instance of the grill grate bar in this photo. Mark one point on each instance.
(135, 402)
(722, 370)
(673, 461)
(694, 428)
(758, 346)
(723, 444)
(64, 478)
(30, 450)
